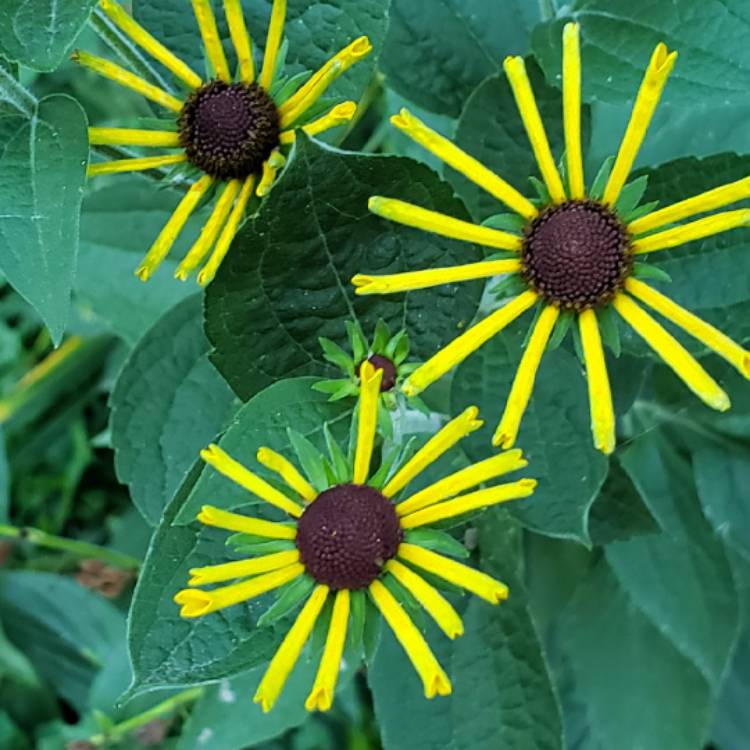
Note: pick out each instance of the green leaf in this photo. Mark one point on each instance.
(438, 51)
(168, 403)
(281, 273)
(40, 33)
(43, 153)
(163, 647)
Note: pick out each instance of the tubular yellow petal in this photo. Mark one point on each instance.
(240, 39)
(223, 519)
(226, 465)
(127, 79)
(273, 42)
(339, 115)
(132, 137)
(572, 109)
(708, 201)
(221, 248)
(242, 568)
(446, 226)
(286, 657)
(654, 80)
(149, 43)
(270, 167)
(523, 383)
(468, 342)
(196, 603)
(673, 353)
(321, 695)
(600, 394)
(459, 481)
(695, 230)
(133, 165)
(692, 324)
(460, 161)
(475, 581)
(210, 230)
(434, 603)
(515, 70)
(443, 440)
(297, 104)
(406, 282)
(160, 249)
(466, 503)
(204, 15)
(287, 471)
(369, 395)
(434, 679)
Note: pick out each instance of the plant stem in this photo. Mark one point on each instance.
(547, 9)
(118, 731)
(84, 550)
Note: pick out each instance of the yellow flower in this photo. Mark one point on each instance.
(234, 131)
(355, 537)
(575, 254)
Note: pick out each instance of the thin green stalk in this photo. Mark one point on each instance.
(547, 9)
(84, 550)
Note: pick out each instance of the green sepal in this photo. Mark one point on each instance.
(357, 616)
(290, 595)
(372, 629)
(310, 459)
(610, 330)
(357, 341)
(379, 478)
(250, 544)
(339, 465)
(541, 190)
(537, 312)
(337, 356)
(437, 541)
(640, 211)
(331, 386)
(409, 368)
(511, 286)
(561, 329)
(600, 181)
(441, 584)
(397, 349)
(103, 721)
(650, 271)
(381, 337)
(416, 403)
(630, 195)
(505, 222)
(158, 123)
(288, 85)
(577, 343)
(322, 625)
(501, 255)
(385, 424)
(278, 68)
(405, 598)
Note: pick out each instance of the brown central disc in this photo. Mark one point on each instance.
(346, 535)
(390, 374)
(576, 255)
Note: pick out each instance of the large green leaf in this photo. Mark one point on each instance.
(39, 33)
(286, 280)
(168, 403)
(437, 51)
(618, 37)
(166, 650)
(43, 153)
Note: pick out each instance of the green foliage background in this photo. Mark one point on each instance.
(628, 623)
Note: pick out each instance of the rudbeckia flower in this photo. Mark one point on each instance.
(233, 131)
(354, 539)
(575, 255)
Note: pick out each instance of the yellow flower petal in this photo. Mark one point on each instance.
(465, 503)
(155, 48)
(515, 70)
(242, 568)
(226, 465)
(160, 249)
(133, 137)
(286, 657)
(523, 383)
(446, 226)
(654, 80)
(434, 679)
(572, 109)
(600, 394)
(695, 230)
(223, 519)
(204, 15)
(475, 581)
(196, 603)
(460, 161)
(134, 165)
(369, 395)
(221, 248)
(321, 695)
(271, 166)
(127, 79)
(467, 343)
(434, 603)
(462, 480)
(240, 39)
(673, 353)
(341, 114)
(287, 471)
(692, 324)
(439, 443)
(698, 204)
(273, 42)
